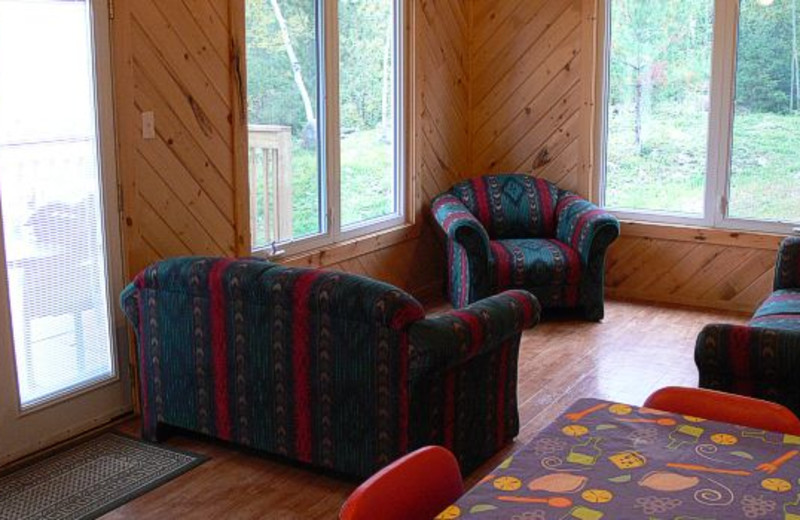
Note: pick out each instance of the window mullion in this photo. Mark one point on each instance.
(332, 127)
(721, 120)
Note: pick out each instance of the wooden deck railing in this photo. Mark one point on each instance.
(270, 161)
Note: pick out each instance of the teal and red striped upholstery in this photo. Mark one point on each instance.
(787, 268)
(762, 358)
(511, 205)
(780, 311)
(518, 231)
(326, 368)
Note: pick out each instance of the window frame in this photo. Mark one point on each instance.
(722, 97)
(332, 234)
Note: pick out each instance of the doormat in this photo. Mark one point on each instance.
(90, 479)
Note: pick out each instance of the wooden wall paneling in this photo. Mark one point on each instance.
(125, 123)
(525, 88)
(592, 43)
(534, 79)
(240, 161)
(181, 152)
(214, 28)
(173, 59)
(707, 275)
(497, 121)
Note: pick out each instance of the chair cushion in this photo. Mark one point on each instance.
(780, 311)
(511, 205)
(533, 262)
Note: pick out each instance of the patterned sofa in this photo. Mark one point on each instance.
(517, 231)
(327, 368)
(762, 358)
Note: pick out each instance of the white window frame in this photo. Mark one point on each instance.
(332, 232)
(720, 131)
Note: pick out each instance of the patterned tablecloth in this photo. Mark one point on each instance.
(615, 461)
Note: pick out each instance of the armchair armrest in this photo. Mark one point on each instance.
(459, 225)
(585, 227)
(754, 361)
(459, 335)
(787, 267)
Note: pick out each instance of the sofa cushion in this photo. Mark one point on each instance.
(780, 311)
(511, 205)
(533, 262)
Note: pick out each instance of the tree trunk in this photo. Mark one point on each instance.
(295, 63)
(387, 99)
(637, 122)
(794, 97)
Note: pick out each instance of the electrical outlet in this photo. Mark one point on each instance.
(148, 125)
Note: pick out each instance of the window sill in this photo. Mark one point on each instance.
(701, 235)
(340, 252)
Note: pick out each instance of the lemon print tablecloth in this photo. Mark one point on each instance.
(616, 461)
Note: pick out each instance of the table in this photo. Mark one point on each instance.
(615, 461)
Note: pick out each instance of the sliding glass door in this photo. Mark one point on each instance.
(59, 366)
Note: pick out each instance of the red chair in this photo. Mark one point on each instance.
(721, 406)
(417, 486)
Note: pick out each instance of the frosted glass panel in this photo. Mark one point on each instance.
(51, 202)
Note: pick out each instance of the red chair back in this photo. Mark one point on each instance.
(721, 406)
(417, 486)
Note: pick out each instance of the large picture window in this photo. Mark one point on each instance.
(702, 112)
(325, 120)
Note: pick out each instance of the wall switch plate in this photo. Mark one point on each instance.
(148, 125)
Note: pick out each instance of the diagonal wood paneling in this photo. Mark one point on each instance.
(687, 272)
(499, 86)
(180, 188)
(531, 96)
(525, 88)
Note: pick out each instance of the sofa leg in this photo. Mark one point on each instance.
(594, 312)
(155, 433)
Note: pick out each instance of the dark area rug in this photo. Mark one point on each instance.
(90, 479)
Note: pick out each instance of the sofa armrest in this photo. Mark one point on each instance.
(585, 227)
(787, 267)
(459, 225)
(459, 335)
(129, 302)
(754, 361)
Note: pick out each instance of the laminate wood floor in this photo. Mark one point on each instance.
(637, 349)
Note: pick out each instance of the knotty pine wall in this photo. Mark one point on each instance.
(499, 86)
(180, 190)
(532, 87)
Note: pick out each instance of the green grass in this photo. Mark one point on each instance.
(765, 180)
(669, 173)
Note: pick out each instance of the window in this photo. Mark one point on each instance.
(59, 242)
(325, 120)
(702, 112)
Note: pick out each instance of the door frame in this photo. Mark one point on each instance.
(43, 425)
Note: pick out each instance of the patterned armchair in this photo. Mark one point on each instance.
(327, 368)
(762, 358)
(517, 231)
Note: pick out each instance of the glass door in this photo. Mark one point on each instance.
(60, 370)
